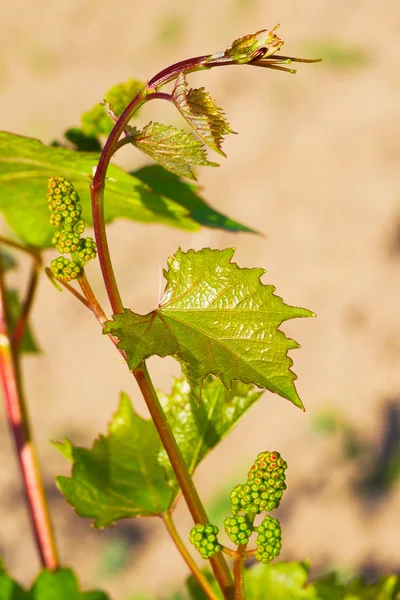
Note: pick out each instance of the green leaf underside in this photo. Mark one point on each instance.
(60, 585)
(198, 428)
(284, 581)
(120, 477)
(96, 122)
(176, 150)
(216, 318)
(186, 194)
(199, 109)
(28, 343)
(95, 489)
(26, 164)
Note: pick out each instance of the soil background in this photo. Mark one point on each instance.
(315, 167)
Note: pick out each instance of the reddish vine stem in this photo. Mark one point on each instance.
(17, 416)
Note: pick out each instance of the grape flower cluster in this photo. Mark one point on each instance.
(65, 214)
(204, 538)
(268, 539)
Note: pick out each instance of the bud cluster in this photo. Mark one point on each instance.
(268, 539)
(65, 214)
(264, 487)
(204, 538)
(238, 529)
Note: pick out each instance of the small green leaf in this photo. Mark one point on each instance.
(81, 141)
(202, 113)
(58, 585)
(96, 122)
(261, 44)
(25, 166)
(28, 343)
(186, 194)
(173, 148)
(217, 319)
(120, 476)
(386, 588)
(8, 261)
(198, 428)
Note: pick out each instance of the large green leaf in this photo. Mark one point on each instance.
(202, 113)
(186, 194)
(26, 164)
(132, 448)
(173, 148)
(216, 318)
(58, 585)
(198, 428)
(120, 476)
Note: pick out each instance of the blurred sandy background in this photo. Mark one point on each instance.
(315, 167)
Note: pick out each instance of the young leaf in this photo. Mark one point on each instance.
(199, 428)
(186, 194)
(96, 122)
(201, 112)
(120, 476)
(173, 148)
(58, 585)
(25, 166)
(216, 318)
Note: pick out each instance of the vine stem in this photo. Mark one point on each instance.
(238, 571)
(188, 489)
(187, 557)
(17, 416)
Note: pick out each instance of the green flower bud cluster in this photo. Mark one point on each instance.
(238, 529)
(65, 269)
(264, 488)
(204, 538)
(268, 540)
(65, 214)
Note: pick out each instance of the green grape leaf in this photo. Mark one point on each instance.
(96, 122)
(280, 581)
(198, 428)
(28, 343)
(176, 150)
(199, 109)
(58, 585)
(120, 476)
(217, 319)
(26, 164)
(185, 193)
(250, 47)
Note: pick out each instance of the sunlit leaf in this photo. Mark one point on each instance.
(216, 318)
(26, 164)
(202, 113)
(249, 47)
(198, 428)
(173, 148)
(120, 476)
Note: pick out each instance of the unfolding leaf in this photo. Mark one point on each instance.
(186, 194)
(217, 319)
(202, 113)
(250, 47)
(96, 122)
(120, 476)
(25, 166)
(28, 343)
(198, 428)
(58, 585)
(173, 148)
